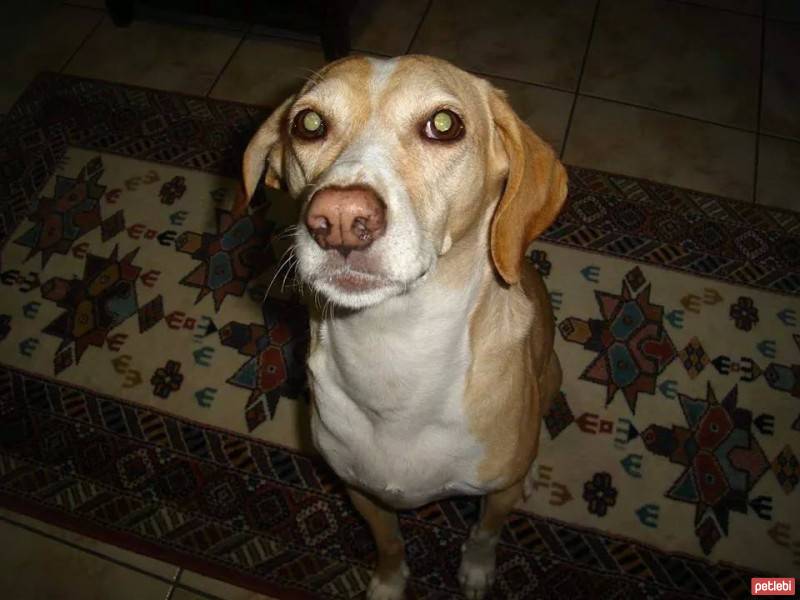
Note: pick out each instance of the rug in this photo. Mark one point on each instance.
(152, 386)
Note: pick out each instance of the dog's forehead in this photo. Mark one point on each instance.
(395, 76)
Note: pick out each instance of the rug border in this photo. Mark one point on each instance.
(404, 515)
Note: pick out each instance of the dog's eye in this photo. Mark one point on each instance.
(308, 125)
(443, 125)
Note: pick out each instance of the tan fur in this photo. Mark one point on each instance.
(386, 531)
(535, 191)
(264, 153)
(514, 376)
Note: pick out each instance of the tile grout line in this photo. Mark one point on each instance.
(90, 551)
(763, 14)
(175, 579)
(241, 41)
(667, 112)
(762, 49)
(778, 136)
(188, 588)
(81, 6)
(580, 79)
(716, 8)
(84, 42)
(177, 585)
(419, 26)
(546, 86)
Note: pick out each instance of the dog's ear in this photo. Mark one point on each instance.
(535, 190)
(265, 153)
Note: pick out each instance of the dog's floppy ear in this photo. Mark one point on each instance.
(535, 190)
(265, 152)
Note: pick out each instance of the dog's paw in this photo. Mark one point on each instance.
(392, 588)
(476, 573)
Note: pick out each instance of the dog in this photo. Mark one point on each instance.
(420, 190)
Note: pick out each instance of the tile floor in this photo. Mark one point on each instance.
(703, 94)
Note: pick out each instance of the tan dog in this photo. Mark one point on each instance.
(420, 190)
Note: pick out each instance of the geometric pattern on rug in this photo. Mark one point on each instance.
(96, 304)
(722, 458)
(229, 259)
(633, 347)
(277, 351)
(73, 211)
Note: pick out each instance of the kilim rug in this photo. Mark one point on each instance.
(152, 393)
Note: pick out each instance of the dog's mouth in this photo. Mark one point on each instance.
(353, 288)
(352, 281)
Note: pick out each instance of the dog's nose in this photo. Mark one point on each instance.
(346, 218)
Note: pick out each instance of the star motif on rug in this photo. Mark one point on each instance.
(103, 299)
(633, 347)
(230, 258)
(721, 457)
(277, 351)
(73, 211)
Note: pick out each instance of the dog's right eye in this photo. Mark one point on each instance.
(308, 125)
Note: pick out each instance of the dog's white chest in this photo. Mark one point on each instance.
(389, 414)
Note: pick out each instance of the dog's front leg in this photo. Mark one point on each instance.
(476, 574)
(389, 579)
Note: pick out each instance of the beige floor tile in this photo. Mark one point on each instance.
(266, 71)
(183, 59)
(545, 110)
(787, 10)
(750, 7)
(778, 173)
(38, 568)
(677, 57)
(780, 112)
(145, 563)
(511, 38)
(161, 13)
(644, 143)
(385, 26)
(39, 40)
(214, 587)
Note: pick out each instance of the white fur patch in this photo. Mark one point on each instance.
(390, 381)
(390, 589)
(476, 573)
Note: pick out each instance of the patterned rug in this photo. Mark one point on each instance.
(152, 388)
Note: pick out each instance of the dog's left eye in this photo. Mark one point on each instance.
(308, 125)
(444, 125)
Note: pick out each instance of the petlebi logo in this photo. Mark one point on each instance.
(772, 586)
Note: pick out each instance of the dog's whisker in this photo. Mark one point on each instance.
(292, 266)
(284, 262)
(288, 235)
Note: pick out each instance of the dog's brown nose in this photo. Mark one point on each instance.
(346, 218)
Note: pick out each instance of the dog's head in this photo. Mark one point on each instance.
(395, 161)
